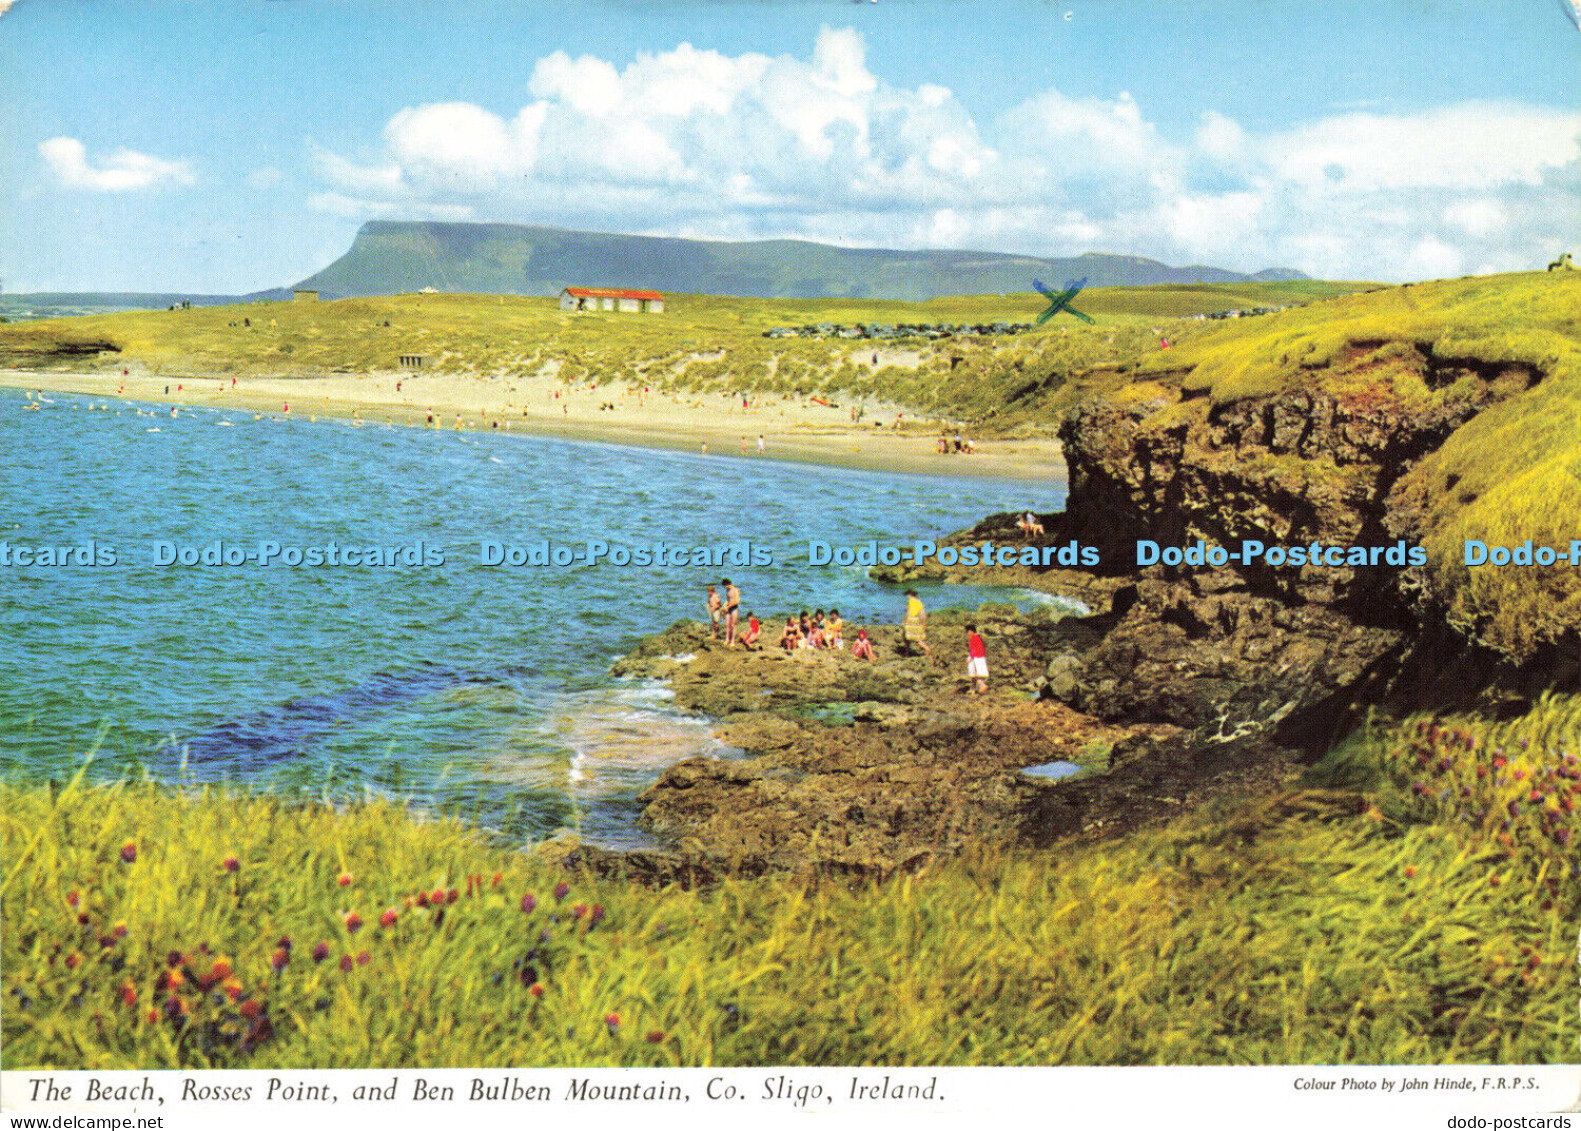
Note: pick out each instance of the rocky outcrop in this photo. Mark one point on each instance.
(1249, 646)
(863, 768)
(1183, 680)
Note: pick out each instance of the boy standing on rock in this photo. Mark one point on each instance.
(715, 607)
(976, 660)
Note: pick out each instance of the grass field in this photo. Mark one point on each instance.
(1353, 920)
(699, 343)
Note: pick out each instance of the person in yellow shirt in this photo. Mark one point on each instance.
(915, 629)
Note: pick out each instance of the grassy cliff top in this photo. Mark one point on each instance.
(1510, 474)
(1532, 319)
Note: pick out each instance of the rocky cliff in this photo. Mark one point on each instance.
(1317, 435)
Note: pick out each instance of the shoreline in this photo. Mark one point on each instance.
(712, 423)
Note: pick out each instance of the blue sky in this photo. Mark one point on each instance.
(226, 147)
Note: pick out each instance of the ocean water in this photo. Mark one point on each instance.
(457, 688)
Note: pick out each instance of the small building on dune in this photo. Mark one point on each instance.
(617, 299)
(304, 294)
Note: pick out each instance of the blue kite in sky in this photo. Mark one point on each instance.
(1061, 301)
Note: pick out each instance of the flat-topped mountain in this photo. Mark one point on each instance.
(394, 257)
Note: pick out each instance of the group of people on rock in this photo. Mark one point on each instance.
(817, 631)
(808, 632)
(814, 631)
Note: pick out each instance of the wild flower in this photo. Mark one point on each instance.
(389, 917)
(231, 864)
(561, 890)
(344, 879)
(353, 921)
(129, 852)
(529, 901)
(320, 952)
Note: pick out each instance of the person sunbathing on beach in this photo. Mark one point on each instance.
(804, 624)
(790, 639)
(862, 647)
(1029, 525)
(815, 638)
(715, 608)
(833, 630)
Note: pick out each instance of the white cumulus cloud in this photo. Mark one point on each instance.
(819, 146)
(124, 170)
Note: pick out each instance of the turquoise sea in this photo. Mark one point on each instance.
(457, 687)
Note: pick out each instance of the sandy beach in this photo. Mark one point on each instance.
(719, 424)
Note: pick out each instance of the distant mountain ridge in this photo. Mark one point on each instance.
(397, 257)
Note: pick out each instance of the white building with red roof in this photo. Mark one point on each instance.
(611, 298)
